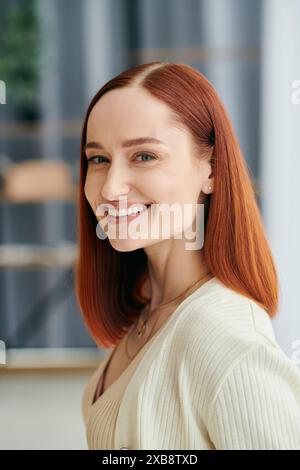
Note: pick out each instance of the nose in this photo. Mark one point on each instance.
(116, 182)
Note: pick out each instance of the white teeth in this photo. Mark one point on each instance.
(112, 211)
(136, 209)
(124, 212)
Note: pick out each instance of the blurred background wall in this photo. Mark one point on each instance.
(54, 56)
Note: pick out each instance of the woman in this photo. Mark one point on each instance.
(194, 364)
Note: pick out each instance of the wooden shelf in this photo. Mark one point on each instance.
(70, 199)
(52, 358)
(37, 256)
(24, 130)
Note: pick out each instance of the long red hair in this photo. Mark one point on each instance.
(109, 283)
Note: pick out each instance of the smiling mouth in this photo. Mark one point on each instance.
(127, 217)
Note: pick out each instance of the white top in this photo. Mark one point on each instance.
(212, 377)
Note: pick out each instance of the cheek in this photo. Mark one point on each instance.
(162, 185)
(190, 185)
(172, 186)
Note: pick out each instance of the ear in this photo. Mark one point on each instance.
(208, 186)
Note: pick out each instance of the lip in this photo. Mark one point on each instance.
(125, 204)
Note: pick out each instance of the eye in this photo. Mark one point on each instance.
(152, 157)
(92, 159)
(146, 157)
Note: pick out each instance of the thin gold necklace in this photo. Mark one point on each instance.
(144, 323)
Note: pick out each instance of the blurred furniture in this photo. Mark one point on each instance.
(38, 180)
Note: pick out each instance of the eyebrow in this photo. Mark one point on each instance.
(126, 143)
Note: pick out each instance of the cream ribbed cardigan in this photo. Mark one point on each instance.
(213, 377)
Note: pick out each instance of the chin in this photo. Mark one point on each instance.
(127, 245)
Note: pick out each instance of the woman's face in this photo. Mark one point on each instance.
(164, 171)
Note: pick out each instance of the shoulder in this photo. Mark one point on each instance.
(233, 364)
(225, 317)
(216, 329)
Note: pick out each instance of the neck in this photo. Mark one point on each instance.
(172, 269)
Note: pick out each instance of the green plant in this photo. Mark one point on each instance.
(19, 54)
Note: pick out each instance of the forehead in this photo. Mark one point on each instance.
(128, 113)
